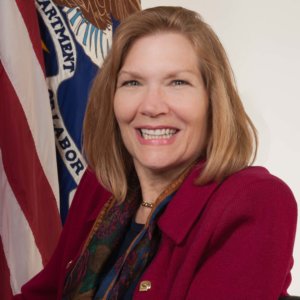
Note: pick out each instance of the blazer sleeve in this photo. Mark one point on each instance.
(46, 284)
(250, 252)
(87, 202)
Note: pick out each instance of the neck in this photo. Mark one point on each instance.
(151, 188)
(156, 188)
(154, 183)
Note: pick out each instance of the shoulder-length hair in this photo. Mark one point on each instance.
(231, 138)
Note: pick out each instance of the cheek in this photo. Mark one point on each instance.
(120, 110)
(194, 115)
(117, 108)
(124, 111)
(196, 120)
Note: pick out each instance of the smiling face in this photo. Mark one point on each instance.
(161, 104)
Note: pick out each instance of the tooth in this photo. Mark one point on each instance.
(163, 133)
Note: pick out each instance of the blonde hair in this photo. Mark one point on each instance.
(231, 138)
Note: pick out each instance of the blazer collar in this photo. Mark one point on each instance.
(185, 207)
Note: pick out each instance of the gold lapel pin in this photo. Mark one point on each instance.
(145, 286)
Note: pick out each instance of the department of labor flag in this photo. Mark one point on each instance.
(29, 217)
(76, 36)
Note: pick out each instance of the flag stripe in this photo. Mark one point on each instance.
(29, 15)
(29, 218)
(14, 224)
(31, 90)
(24, 172)
(5, 289)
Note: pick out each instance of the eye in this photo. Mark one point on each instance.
(130, 83)
(179, 82)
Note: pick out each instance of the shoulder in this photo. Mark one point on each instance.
(259, 182)
(89, 198)
(255, 194)
(244, 187)
(256, 204)
(253, 174)
(249, 223)
(89, 186)
(88, 181)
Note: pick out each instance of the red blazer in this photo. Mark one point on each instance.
(228, 241)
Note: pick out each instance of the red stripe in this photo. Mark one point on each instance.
(25, 173)
(5, 290)
(30, 17)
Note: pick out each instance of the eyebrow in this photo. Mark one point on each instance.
(171, 74)
(131, 73)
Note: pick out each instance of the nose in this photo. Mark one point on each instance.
(154, 102)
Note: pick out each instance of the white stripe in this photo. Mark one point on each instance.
(22, 256)
(25, 73)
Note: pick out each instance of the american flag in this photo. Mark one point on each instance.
(29, 217)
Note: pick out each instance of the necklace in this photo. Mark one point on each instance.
(147, 204)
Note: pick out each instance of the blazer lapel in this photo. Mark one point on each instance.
(185, 207)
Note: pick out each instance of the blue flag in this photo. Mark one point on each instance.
(76, 37)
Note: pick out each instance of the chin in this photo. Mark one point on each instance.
(165, 167)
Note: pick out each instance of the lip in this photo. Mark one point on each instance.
(156, 142)
(156, 127)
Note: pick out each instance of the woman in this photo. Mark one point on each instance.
(169, 207)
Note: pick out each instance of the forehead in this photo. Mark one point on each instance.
(168, 49)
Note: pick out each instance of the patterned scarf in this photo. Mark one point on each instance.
(106, 235)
